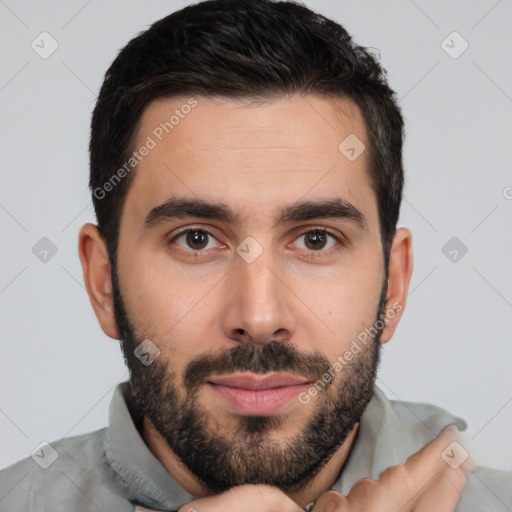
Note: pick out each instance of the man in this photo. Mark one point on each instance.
(246, 172)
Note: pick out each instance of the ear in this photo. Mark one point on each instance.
(93, 254)
(400, 270)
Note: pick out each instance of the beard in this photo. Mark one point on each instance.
(249, 453)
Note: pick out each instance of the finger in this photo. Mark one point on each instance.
(432, 452)
(331, 501)
(444, 493)
(406, 483)
(249, 498)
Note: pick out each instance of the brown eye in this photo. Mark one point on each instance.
(195, 239)
(317, 240)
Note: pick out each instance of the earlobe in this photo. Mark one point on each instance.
(399, 276)
(97, 277)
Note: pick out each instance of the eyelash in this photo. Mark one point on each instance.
(340, 242)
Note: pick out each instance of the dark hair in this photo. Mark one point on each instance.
(247, 50)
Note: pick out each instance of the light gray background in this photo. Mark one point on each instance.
(453, 346)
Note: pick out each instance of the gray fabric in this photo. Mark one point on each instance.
(112, 469)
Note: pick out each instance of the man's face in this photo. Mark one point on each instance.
(249, 312)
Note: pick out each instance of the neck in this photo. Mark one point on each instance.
(308, 493)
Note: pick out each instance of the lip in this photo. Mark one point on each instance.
(255, 381)
(252, 394)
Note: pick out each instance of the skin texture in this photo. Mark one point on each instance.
(256, 159)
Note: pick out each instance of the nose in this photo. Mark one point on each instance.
(258, 303)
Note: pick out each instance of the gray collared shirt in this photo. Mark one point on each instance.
(113, 470)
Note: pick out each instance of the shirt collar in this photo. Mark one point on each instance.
(140, 474)
(389, 432)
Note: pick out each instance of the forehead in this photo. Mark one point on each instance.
(255, 157)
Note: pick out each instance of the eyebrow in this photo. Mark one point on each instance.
(181, 207)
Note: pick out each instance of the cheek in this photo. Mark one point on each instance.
(176, 309)
(346, 306)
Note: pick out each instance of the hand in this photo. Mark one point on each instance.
(425, 482)
(246, 498)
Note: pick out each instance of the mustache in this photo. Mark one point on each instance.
(275, 356)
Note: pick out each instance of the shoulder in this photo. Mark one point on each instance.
(71, 472)
(395, 429)
(486, 489)
(429, 417)
(416, 424)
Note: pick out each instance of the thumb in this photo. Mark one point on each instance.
(331, 501)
